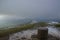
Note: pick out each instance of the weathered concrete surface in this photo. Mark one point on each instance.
(42, 33)
(4, 38)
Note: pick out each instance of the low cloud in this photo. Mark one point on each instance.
(30, 8)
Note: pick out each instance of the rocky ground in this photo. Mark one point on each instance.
(28, 35)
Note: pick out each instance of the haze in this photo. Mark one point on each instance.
(30, 8)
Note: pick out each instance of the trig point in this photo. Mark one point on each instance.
(42, 33)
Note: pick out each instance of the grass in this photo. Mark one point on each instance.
(20, 28)
(14, 30)
(57, 25)
(42, 24)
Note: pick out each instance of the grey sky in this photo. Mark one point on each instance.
(31, 8)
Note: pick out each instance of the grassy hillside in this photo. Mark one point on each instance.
(20, 28)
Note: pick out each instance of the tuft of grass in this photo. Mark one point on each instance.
(57, 25)
(42, 24)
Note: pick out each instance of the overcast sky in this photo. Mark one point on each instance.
(31, 8)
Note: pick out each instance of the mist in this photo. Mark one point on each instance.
(30, 8)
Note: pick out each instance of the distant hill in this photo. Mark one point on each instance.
(47, 19)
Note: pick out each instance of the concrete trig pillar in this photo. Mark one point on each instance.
(42, 33)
